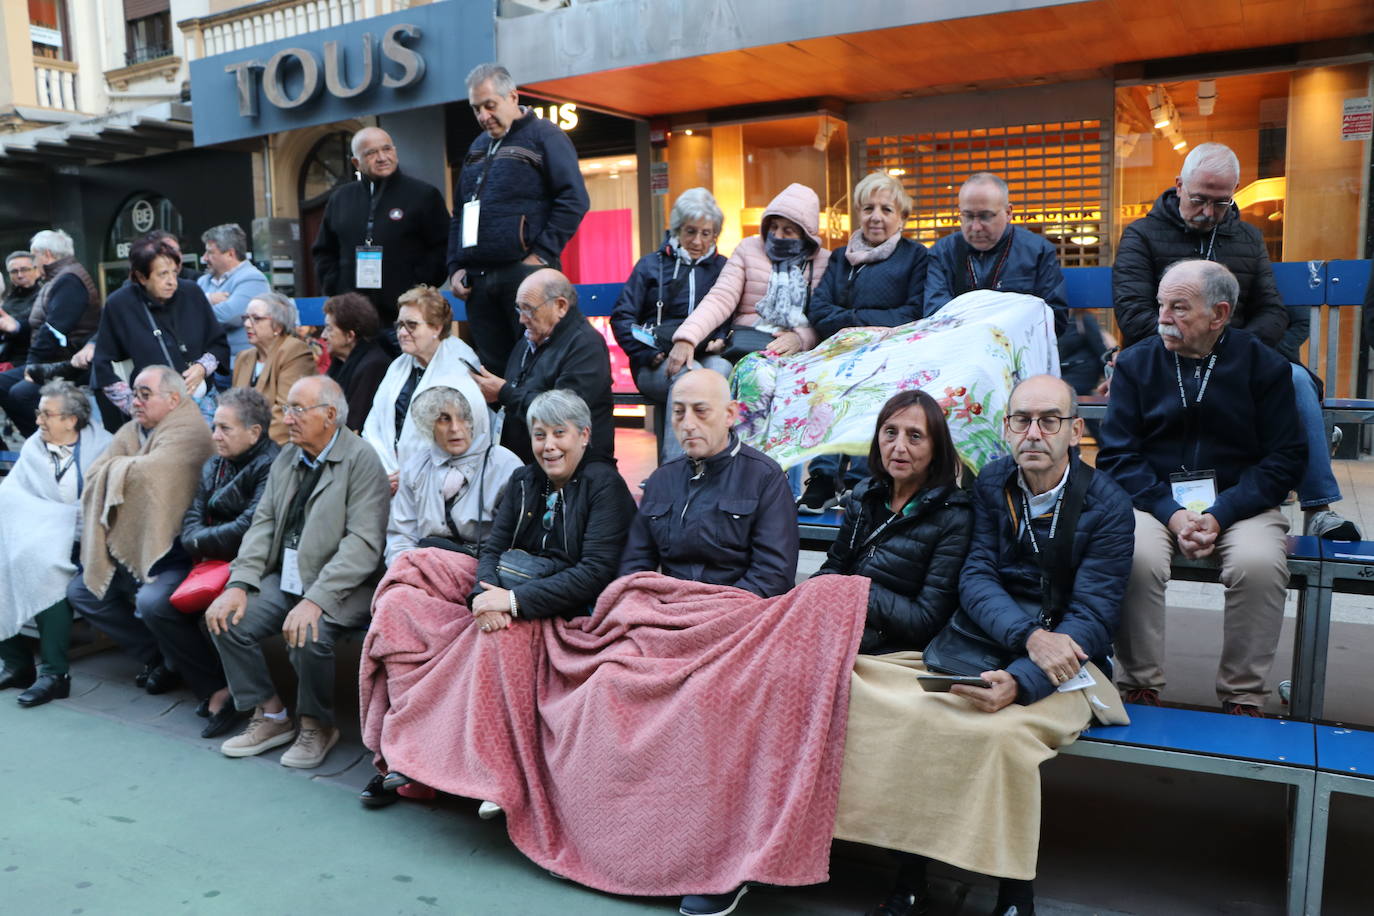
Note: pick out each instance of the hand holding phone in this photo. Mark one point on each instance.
(940, 683)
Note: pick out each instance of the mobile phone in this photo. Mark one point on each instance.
(940, 683)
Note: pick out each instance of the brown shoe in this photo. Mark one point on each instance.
(1141, 696)
(262, 734)
(1243, 709)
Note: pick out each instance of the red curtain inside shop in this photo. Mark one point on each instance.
(602, 250)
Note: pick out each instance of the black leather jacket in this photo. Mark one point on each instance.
(225, 501)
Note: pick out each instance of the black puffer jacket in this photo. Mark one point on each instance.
(661, 275)
(914, 562)
(588, 532)
(1151, 244)
(225, 501)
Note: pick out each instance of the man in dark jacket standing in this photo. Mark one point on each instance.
(723, 512)
(988, 252)
(1197, 218)
(560, 350)
(24, 275)
(384, 234)
(1201, 431)
(519, 199)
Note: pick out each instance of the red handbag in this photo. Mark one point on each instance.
(201, 586)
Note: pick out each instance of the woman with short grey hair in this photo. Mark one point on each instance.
(40, 500)
(277, 358)
(448, 495)
(554, 546)
(662, 290)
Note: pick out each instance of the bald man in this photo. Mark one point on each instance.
(723, 512)
(382, 234)
(306, 569)
(560, 349)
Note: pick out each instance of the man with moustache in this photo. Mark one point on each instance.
(518, 200)
(383, 234)
(1198, 218)
(1202, 433)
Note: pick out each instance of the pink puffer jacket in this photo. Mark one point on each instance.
(744, 279)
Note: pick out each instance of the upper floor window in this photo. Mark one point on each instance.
(48, 29)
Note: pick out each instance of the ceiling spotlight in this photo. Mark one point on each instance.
(688, 131)
(1206, 97)
(1159, 107)
(1181, 144)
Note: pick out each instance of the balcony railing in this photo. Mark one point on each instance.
(235, 29)
(55, 83)
(147, 53)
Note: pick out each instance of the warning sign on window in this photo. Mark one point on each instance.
(1357, 119)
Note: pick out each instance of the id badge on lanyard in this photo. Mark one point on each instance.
(1195, 491)
(369, 267)
(472, 211)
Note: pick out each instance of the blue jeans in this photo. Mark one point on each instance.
(1318, 486)
(830, 465)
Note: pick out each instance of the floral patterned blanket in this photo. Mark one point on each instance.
(967, 356)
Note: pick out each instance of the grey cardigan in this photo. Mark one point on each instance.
(340, 552)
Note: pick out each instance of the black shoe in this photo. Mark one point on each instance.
(141, 679)
(161, 679)
(818, 496)
(377, 795)
(203, 710)
(394, 780)
(712, 904)
(1014, 910)
(46, 688)
(22, 678)
(221, 722)
(903, 901)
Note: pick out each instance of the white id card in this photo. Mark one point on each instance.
(1194, 492)
(291, 573)
(1080, 681)
(643, 335)
(471, 211)
(498, 422)
(369, 263)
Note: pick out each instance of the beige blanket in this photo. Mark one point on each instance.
(927, 773)
(137, 493)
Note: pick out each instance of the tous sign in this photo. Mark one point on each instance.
(274, 82)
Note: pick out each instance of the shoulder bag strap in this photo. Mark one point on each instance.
(1058, 573)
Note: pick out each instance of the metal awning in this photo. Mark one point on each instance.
(158, 128)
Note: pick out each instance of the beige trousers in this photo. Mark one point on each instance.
(1254, 568)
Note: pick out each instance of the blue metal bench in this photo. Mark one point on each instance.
(7, 460)
(1345, 766)
(1264, 750)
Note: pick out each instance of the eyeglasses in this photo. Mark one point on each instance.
(525, 311)
(144, 394)
(550, 508)
(980, 216)
(254, 319)
(15, 271)
(1223, 203)
(1049, 425)
(297, 411)
(51, 414)
(407, 325)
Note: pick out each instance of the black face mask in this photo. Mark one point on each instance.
(783, 249)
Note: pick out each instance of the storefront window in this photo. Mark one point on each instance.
(746, 165)
(1301, 184)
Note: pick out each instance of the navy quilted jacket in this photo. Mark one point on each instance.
(1001, 565)
(884, 294)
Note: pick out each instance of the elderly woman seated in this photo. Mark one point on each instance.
(276, 359)
(876, 281)
(40, 501)
(663, 289)
(448, 496)
(907, 527)
(764, 289)
(554, 545)
(231, 485)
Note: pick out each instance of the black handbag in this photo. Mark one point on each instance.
(520, 567)
(744, 340)
(963, 648)
(449, 544)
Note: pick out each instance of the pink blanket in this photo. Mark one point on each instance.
(685, 738)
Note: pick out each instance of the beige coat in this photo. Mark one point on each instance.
(289, 362)
(137, 493)
(340, 553)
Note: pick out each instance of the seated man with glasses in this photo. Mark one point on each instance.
(1198, 218)
(561, 350)
(1201, 431)
(988, 252)
(306, 569)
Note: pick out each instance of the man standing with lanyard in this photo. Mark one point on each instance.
(988, 252)
(381, 235)
(1201, 431)
(520, 197)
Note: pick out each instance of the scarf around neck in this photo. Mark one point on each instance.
(858, 251)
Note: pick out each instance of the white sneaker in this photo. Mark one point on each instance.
(262, 734)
